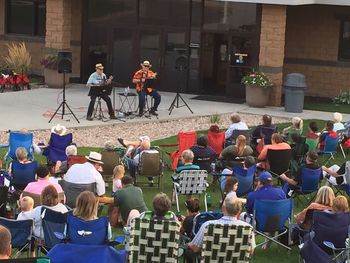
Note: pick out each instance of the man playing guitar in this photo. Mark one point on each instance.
(139, 79)
(99, 78)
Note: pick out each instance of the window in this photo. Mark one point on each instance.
(344, 42)
(26, 17)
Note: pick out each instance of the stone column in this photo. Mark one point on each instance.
(272, 45)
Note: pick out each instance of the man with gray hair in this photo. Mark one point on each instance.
(231, 208)
(5, 243)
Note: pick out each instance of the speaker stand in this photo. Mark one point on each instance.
(64, 103)
(175, 103)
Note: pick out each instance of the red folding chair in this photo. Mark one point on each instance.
(216, 140)
(185, 140)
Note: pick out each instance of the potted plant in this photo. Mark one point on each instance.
(258, 87)
(214, 123)
(53, 79)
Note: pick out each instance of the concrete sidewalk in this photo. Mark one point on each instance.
(32, 109)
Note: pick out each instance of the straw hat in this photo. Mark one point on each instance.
(94, 157)
(146, 63)
(59, 129)
(99, 66)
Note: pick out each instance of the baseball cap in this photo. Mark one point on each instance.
(265, 176)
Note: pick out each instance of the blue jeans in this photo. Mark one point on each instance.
(142, 98)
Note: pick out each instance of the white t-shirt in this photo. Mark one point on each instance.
(235, 126)
(86, 173)
(35, 214)
(137, 157)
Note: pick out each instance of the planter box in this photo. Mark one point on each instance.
(257, 96)
(53, 79)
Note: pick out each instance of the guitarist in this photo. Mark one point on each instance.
(139, 80)
(95, 79)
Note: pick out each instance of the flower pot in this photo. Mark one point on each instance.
(53, 79)
(257, 96)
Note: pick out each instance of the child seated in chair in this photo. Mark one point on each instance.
(231, 187)
(26, 204)
(192, 209)
(118, 174)
(161, 208)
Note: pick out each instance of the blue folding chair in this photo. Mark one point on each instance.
(56, 150)
(330, 148)
(310, 181)
(94, 232)
(23, 174)
(266, 134)
(21, 232)
(19, 139)
(245, 179)
(201, 218)
(271, 216)
(52, 222)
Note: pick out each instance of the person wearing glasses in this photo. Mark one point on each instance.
(143, 88)
(99, 78)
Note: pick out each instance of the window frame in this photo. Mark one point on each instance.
(35, 22)
(341, 41)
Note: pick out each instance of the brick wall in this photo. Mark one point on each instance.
(272, 42)
(76, 29)
(312, 34)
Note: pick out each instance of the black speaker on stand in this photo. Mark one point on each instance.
(64, 65)
(181, 65)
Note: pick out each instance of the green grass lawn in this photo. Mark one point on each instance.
(327, 106)
(273, 255)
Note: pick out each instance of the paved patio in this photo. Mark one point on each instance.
(32, 109)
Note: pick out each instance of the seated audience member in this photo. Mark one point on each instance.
(35, 148)
(327, 132)
(324, 201)
(266, 123)
(204, 155)
(62, 167)
(43, 175)
(248, 162)
(237, 124)
(231, 186)
(335, 174)
(118, 174)
(22, 157)
(132, 146)
(59, 130)
(161, 207)
(264, 191)
(187, 157)
(129, 200)
(88, 173)
(338, 125)
(231, 208)
(340, 204)
(277, 144)
(192, 209)
(232, 152)
(294, 183)
(26, 205)
(296, 127)
(313, 131)
(86, 208)
(49, 197)
(5, 243)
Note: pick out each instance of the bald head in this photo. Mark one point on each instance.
(5, 243)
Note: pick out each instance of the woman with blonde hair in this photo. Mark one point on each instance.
(240, 149)
(296, 127)
(340, 204)
(324, 201)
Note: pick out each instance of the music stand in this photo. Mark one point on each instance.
(98, 91)
(64, 102)
(181, 66)
(149, 83)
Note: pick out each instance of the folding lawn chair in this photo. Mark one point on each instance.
(56, 150)
(271, 216)
(4, 193)
(19, 139)
(185, 141)
(227, 243)
(312, 144)
(203, 217)
(72, 190)
(23, 174)
(310, 181)
(27, 260)
(232, 139)
(21, 233)
(150, 166)
(279, 161)
(245, 179)
(75, 159)
(266, 134)
(110, 159)
(216, 140)
(341, 136)
(153, 240)
(330, 148)
(191, 182)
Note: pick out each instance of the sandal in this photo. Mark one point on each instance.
(121, 141)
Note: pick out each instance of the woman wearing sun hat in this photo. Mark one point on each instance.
(139, 80)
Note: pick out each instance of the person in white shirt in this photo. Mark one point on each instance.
(88, 173)
(338, 125)
(237, 124)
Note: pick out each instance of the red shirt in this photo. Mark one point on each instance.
(143, 75)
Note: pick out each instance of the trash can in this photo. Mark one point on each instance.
(294, 92)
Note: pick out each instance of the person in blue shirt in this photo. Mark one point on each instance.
(98, 78)
(264, 191)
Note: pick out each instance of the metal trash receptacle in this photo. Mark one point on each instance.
(294, 91)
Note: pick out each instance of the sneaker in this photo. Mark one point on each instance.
(153, 112)
(89, 118)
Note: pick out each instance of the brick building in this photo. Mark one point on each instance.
(216, 41)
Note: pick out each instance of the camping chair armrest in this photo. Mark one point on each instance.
(4, 145)
(331, 246)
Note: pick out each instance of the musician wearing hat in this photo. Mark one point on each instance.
(95, 79)
(139, 80)
(88, 173)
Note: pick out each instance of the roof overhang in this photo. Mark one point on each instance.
(295, 2)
